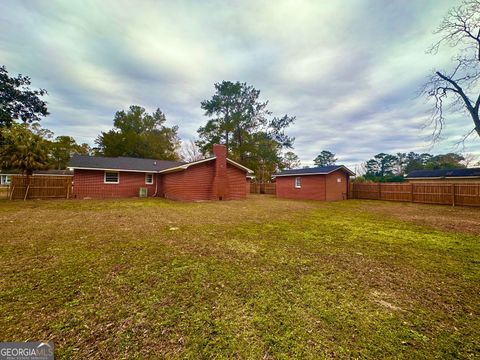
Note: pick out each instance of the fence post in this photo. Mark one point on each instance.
(453, 194)
(411, 192)
(26, 192)
(67, 182)
(379, 191)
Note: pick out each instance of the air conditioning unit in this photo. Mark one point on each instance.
(143, 192)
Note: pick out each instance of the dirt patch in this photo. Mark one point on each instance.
(377, 297)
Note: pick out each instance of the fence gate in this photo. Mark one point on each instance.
(40, 187)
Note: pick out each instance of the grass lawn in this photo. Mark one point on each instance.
(257, 279)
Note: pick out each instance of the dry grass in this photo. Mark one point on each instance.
(450, 218)
(262, 278)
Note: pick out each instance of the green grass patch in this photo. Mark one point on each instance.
(262, 278)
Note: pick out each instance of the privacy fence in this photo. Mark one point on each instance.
(40, 187)
(263, 188)
(4, 189)
(427, 193)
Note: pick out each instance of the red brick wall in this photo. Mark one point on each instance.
(237, 183)
(197, 183)
(313, 187)
(194, 183)
(90, 184)
(337, 190)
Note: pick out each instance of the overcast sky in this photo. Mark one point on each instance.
(349, 70)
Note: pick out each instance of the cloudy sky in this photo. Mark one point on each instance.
(348, 70)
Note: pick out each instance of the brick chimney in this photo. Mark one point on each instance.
(220, 183)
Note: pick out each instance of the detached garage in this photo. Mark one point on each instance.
(329, 183)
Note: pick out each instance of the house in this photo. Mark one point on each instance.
(327, 183)
(468, 175)
(5, 178)
(214, 178)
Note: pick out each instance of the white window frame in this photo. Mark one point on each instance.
(146, 179)
(5, 180)
(111, 172)
(298, 182)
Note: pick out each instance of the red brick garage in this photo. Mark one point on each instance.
(329, 183)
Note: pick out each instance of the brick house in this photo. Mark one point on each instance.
(329, 183)
(214, 178)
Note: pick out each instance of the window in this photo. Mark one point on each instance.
(4, 180)
(298, 182)
(339, 180)
(149, 179)
(111, 177)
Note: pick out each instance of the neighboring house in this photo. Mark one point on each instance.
(5, 179)
(215, 178)
(327, 183)
(445, 176)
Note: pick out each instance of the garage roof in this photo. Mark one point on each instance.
(315, 171)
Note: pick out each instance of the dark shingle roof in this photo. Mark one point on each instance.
(120, 163)
(444, 173)
(314, 170)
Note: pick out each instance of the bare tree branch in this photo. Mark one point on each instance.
(460, 28)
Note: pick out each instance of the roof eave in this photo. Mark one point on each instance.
(240, 166)
(185, 166)
(109, 169)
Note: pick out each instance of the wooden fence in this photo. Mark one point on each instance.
(263, 188)
(4, 191)
(427, 193)
(40, 187)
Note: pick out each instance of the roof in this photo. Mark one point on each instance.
(444, 173)
(185, 166)
(87, 162)
(120, 163)
(315, 171)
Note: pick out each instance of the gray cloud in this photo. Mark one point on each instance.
(349, 71)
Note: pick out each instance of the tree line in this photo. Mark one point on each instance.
(394, 167)
(236, 117)
(24, 144)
